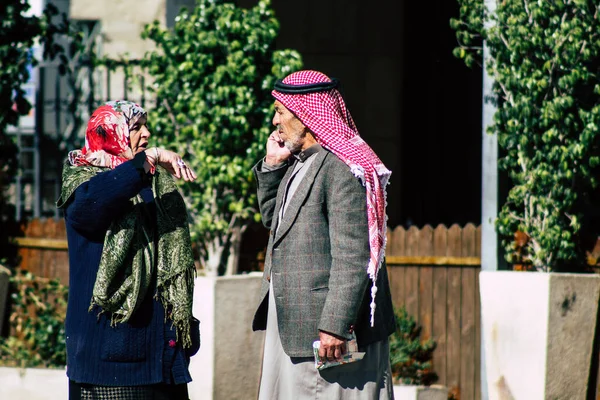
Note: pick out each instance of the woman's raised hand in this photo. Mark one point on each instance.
(172, 162)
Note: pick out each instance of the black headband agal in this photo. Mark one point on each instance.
(308, 88)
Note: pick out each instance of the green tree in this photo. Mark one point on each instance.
(18, 35)
(545, 60)
(212, 76)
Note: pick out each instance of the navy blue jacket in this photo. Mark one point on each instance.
(142, 351)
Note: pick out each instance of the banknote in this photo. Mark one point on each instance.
(352, 355)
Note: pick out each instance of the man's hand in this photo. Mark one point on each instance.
(332, 347)
(276, 150)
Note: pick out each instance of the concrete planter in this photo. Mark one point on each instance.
(228, 364)
(413, 392)
(33, 383)
(538, 331)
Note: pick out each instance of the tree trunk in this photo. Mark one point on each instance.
(223, 253)
(235, 244)
(214, 255)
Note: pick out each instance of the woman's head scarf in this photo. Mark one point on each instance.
(107, 141)
(314, 98)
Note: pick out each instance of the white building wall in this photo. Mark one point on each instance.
(122, 23)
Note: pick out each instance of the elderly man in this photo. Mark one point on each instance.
(321, 191)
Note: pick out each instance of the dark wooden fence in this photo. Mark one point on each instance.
(433, 273)
(43, 249)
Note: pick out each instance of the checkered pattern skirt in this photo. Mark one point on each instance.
(79, 391)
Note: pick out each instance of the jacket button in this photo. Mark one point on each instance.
(268, 278)
(351, 329)
(172, 343)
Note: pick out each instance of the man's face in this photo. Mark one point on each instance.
(138, 135)
(290, 129)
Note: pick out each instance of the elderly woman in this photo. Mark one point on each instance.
(129, 326)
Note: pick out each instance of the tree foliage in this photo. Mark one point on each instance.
(545, 60)
(213, 73)
(469, 31)
(19, 32)
(17, 35)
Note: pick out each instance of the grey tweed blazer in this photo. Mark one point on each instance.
(318, 258)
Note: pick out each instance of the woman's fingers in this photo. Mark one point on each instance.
(173, 163)
(176, 168)
(185, 171)
(187, 174)
(192, 174)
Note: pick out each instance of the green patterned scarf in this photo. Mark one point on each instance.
(131, 258)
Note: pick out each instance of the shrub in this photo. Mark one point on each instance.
(36, 322)
(410, 357)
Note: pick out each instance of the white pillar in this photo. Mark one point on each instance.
(489, 185)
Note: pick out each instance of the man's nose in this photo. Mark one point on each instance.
(275, 120)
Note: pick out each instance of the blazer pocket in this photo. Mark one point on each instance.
(320, 289)
(313, 204)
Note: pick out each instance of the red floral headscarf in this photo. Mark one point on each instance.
(324, 112)
(107, 142)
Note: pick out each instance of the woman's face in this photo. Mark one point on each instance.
(139, 135)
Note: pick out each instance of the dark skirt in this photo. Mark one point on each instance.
(82, 391)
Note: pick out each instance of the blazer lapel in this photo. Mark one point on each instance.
(280, 193)
(297, 199)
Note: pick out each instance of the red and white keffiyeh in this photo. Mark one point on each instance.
(325, 114)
